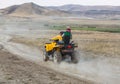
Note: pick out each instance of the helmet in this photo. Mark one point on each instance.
(68, 29)
(61, 32)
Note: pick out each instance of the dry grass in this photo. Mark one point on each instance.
(84, 21)
(30, 42)
(99, 47)
(107, 44)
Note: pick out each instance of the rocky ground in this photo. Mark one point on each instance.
(15, 70)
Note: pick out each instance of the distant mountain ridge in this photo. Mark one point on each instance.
(84, 8)
(90, 11)
(28, 9)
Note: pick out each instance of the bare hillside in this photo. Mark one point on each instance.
(31, 9)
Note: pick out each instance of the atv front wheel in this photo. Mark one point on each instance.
(45, 56)
(57, 57)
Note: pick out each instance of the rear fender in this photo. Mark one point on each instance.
(56, 48)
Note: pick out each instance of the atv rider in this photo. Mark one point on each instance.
(58, 38)
(67, 36)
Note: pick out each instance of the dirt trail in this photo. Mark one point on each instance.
(26, 66)
(15, 70)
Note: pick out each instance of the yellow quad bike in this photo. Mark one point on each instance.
(57, 51)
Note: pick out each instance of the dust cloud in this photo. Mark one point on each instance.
(102, 70)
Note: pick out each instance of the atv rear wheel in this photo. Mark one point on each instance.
(57, 57)
(74, 57)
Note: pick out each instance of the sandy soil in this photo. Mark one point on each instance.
(14, 70)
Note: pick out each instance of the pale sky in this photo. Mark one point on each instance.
(6, 3)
